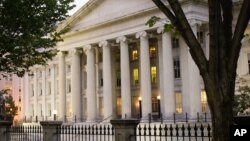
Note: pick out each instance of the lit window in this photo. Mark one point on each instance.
(175, 43)
(178, 102)
(204, 105)
(119, 106)
(134, 54)
(177, 69)
(135, 76)
(153, 75)
(152, 51)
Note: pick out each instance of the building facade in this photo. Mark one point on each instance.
(112, 65)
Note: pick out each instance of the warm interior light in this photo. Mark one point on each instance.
(158, 97)
(54, 112)
(139, 98)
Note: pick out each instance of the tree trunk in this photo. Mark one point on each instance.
(221, 110)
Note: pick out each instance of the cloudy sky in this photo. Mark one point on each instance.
(79, 4)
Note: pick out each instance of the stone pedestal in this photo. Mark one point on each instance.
(50, 130)
(5, 130)
(125, 130)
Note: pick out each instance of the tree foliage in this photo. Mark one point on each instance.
(28, 32)
(242, 98)
(10, 108)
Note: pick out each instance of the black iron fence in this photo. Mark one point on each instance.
(85, 133)
(174, 132)
(26, 133)
(106, 132)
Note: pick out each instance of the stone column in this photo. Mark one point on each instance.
(50, 130)
(53, 88)
(26, 98)
(145, 77)
(107, 83)
(44, 104)
(125, 130)
(91, 88)
(5, 130)
(125, 77)
(190, 81)
(76, 84)
(168, 76)
(62, 85)
(35, 92)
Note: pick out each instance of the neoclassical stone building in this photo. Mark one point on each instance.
(111, 65)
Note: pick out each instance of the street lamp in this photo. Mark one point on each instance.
(54, 113)
(159, 106)
(140, 107)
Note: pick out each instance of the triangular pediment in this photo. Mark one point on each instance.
(96, 12)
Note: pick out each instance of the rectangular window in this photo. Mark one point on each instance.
(40, 89)
(118, 78)
(68, 68)
(135, 55)
(152, 52)
(248, 55)
(68, 86)
(49, 88)
(177, 69)
(200, 38)
(32, 90)
(178, 102)
(135, 76)
(204, 104)
(49, 109)
(175, 42)
(68, 106)
(49, 72)
(101, 106)
(119, 106)
(154, 104)
(153, 75)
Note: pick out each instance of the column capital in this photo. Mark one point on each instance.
(75, 51)
(160, 29)
(121, 39)
(60, 53)
(141, 34)
(87, 48)
(103, 43)
(194, 22)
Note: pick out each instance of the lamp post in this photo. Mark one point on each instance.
(159, 106)
(54, 113)
(140, 107)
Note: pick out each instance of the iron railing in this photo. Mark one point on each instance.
(174, 132)
(26, 133)
(85, 133)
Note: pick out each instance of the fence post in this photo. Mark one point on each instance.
(5, 130)
(50, 130)
(125, 129)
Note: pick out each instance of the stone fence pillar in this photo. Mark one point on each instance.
(125, 130)
(50, 130)
(5, 130)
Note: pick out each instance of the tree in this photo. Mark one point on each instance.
(242, 98)
(219, 71)
(10, 108)
(28, 32)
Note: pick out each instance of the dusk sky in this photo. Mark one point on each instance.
(79, 4)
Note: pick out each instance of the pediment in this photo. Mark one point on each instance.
(96, 12)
